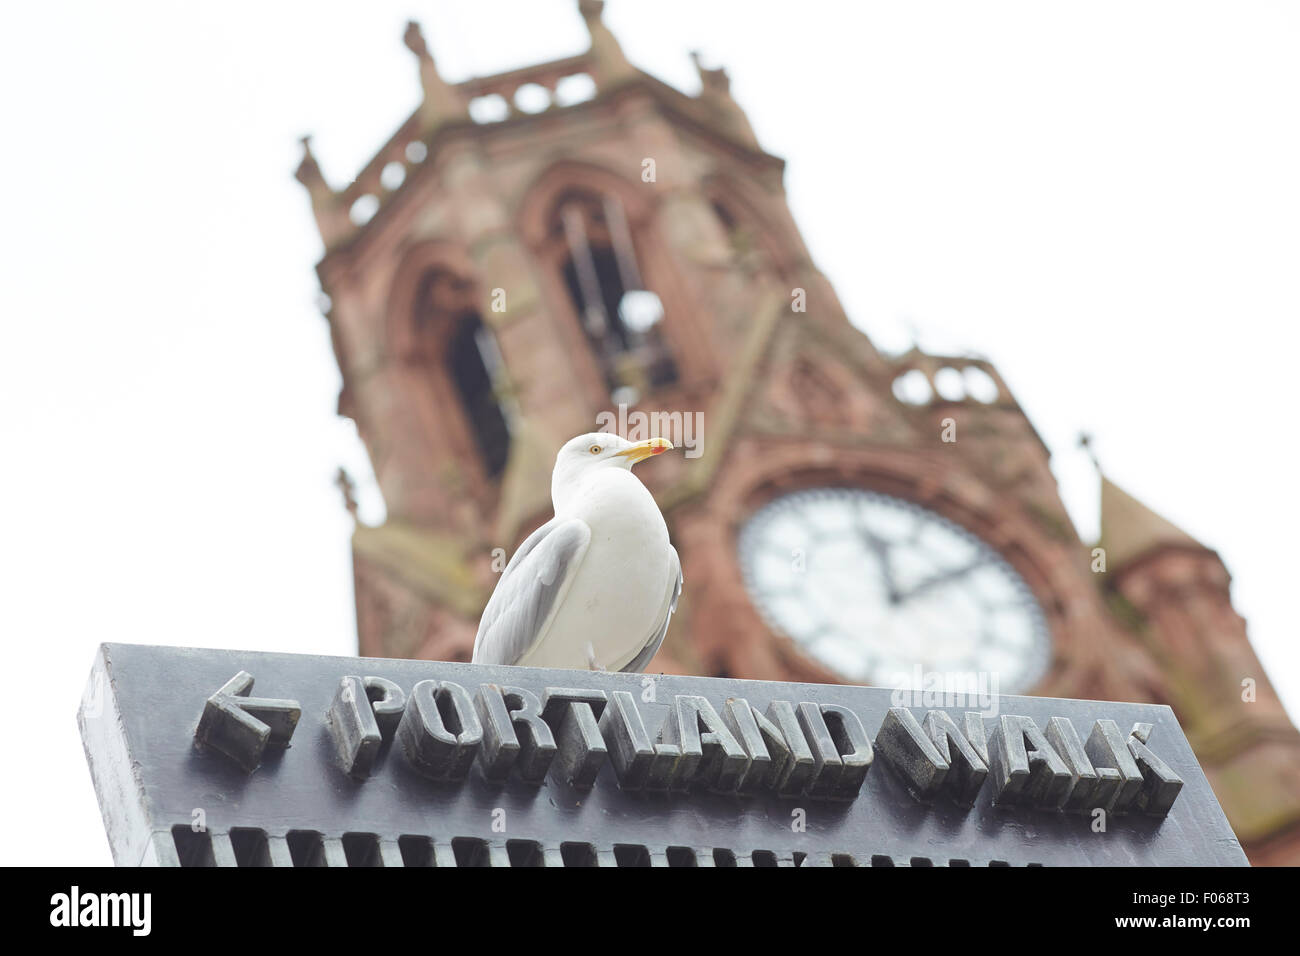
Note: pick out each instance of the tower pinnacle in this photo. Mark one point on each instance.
(1130, 530)
(308, 172)
(442, 101)
(331, 218)
(715, 93)
(611, 65)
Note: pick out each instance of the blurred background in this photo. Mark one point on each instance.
(1101, 198)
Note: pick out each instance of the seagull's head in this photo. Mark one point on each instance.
(585, 455)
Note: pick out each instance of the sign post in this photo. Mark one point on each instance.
(374, 762)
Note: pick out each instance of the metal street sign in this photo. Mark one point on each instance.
(371, 762)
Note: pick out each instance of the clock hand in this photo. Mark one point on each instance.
(880, 549)
(942, 578)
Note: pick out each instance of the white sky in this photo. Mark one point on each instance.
(1102, 197)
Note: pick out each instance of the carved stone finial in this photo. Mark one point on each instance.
(349, 489)
(1085, 442)
(331, 217)
(442, 101)
(715, 93)
(713, 82)
(308, 172)
(610, 64)
(414, 39)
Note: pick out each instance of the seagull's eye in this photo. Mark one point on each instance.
(594, 449)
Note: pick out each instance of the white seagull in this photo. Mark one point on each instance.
(594, 587)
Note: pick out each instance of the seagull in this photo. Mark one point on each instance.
(594, 587)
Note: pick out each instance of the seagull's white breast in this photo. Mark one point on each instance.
(622, 590)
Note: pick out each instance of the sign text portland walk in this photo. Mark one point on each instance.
(357, 762)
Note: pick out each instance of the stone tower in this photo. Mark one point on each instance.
(535, 253)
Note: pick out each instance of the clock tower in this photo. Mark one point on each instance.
(541, 251)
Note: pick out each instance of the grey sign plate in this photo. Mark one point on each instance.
(172, 794)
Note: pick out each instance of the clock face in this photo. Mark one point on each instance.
(877, 588)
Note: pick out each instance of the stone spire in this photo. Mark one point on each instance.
(442, 101)
(1129, 529)
(715, 93)
(348, 488)
(331, 218)
(308, 172)
(610, 66)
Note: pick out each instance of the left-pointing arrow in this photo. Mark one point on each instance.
(241, 727)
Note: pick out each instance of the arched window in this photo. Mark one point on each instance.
(449, 328)
(619, 315)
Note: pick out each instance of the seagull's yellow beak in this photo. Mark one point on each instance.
(644, 449)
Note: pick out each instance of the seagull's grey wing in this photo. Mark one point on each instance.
(530, 589)
(642, 660)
